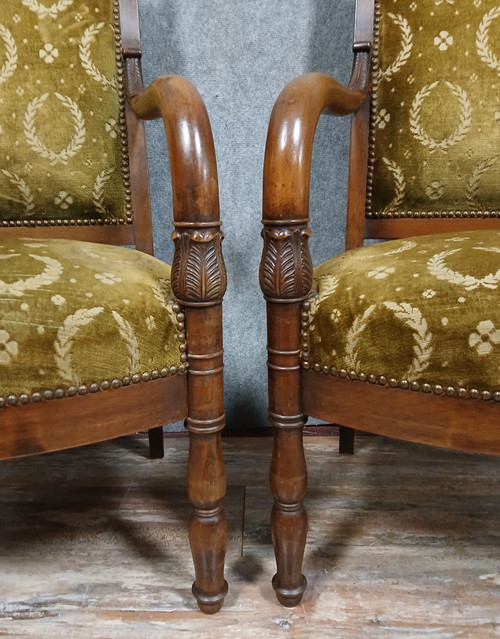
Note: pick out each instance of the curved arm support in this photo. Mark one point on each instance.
(198, 281)
(190, 144)
(286, 274)
(198, 271)
(286, 266)
(290, 137)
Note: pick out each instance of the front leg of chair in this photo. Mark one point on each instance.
(285, 278)
(200, 281)
(286, 274)
(206, 476)
(288, 476)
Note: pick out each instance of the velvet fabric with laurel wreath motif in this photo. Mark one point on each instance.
(422, 309)
(79, 313)
(435, 122)
(62, 132)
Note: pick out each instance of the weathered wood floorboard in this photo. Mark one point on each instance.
(404, 542)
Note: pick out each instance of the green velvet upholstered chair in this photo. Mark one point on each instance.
(98, 340)
(401, 337)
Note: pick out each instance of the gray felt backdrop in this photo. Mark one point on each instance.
(240, 54)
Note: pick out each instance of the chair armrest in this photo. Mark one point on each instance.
(286, 267)
(287, 163)
(190, 145)
(198, 271)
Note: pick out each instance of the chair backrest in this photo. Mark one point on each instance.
(66, 133)
(433, 134)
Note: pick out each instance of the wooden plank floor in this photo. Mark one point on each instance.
(404, 542)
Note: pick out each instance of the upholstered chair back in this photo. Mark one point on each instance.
(63, 152)
(435, 120)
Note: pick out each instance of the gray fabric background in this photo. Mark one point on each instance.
(240, 54)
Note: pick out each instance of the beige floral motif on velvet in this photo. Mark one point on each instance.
(436, 71)
(66, 321)
(60, 91)
(431, 316)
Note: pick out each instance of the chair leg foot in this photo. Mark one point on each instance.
(346, 440)
(208, 539)
(289, 531)
(156, 446)
(289, 597)
(209, 604)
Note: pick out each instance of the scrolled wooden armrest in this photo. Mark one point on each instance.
(190, 145)
(198, 271)
(286, 267)
(290, 138)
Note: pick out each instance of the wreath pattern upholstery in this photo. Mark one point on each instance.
(61, 125)
(435, 122)
(423, 309)
(77, 313)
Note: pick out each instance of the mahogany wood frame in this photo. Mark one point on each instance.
(286, 276)
(196, 396)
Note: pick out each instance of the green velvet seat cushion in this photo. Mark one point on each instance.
(76, 313)
(423, 310)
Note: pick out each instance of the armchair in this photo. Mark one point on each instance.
(96, 340)
(399, 338)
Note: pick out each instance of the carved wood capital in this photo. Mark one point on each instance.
(198, 270)
(286, 268)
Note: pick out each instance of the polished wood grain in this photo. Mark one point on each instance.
(196, 396)
(190, 143)
(198, 241)
(136, 134)
(403, 543)
(290, 137)
(284, 277)
(75, 421)
(363, 25)
(469, 424)
(358, 171)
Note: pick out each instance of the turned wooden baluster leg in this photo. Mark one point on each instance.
(206, 477)
(200, 281)
(285, 278)
(286, 275)
(156, 446)
(288, 477)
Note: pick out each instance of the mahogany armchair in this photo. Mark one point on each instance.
(399, 338)
(97, 340)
